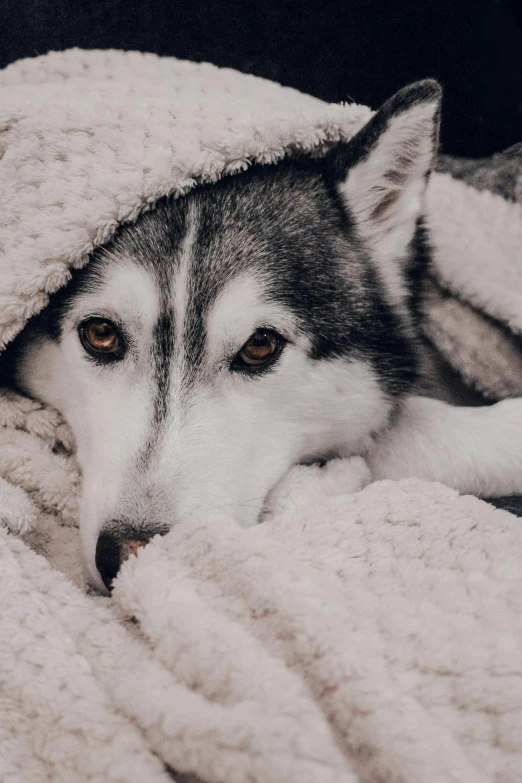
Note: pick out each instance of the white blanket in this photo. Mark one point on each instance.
(369, 635)
(361, 633)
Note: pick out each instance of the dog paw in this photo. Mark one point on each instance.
(306, 484)
(348, 475)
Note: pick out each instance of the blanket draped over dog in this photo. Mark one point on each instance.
(362, 633)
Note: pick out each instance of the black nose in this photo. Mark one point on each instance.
(112, 550)
(108, 558)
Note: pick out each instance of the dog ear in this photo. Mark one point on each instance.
(382, 171)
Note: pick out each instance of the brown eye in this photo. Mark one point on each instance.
(262, 348)
(101, 339)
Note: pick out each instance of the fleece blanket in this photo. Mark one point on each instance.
(473, 301)
(365, 631)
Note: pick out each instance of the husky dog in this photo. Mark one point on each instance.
(263, 321)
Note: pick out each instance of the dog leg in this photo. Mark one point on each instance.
(476, 451)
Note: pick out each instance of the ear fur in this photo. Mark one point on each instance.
(381, 173)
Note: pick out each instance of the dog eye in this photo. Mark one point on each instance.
(101, 339)
(260, 350)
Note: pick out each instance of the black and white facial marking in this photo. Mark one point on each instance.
(250, 325)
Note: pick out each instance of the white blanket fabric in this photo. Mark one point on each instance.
(369, 635)
(362, 633)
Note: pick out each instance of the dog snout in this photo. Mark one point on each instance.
(112, 549)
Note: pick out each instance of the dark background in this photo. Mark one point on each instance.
(349, 49)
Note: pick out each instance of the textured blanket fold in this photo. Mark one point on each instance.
(473, 311)
(367, 634)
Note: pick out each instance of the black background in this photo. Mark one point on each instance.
(350, 49)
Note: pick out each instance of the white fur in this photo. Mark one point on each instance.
(180, 281)
(107, 412)
(241, 308)
(475, 450)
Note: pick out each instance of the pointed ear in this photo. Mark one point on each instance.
(381, 173)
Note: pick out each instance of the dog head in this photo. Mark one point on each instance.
(227, 335)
